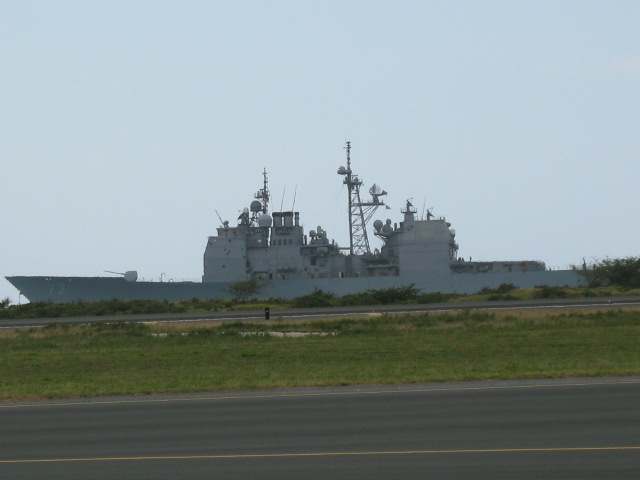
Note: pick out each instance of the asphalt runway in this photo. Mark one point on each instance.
(310, 313)
(580, 429)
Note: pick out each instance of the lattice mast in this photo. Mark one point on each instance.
(359, 212)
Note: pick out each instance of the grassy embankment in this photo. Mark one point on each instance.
(402, 295)
(136, 359)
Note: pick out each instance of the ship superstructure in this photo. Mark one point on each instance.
(266, 246)
(272, 250)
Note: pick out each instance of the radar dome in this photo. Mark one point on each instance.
(378, 225)
(265, 220)
(256, 206)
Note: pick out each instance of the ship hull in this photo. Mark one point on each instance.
(74, 289)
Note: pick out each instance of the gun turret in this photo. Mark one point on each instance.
(129, 275)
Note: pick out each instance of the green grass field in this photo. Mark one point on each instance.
(134, 359)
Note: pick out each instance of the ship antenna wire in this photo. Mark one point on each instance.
(293, 205)
(282, 201)
(219, 218)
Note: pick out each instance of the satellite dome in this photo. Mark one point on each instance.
(256, 206)
(265, 220)
(378, 225)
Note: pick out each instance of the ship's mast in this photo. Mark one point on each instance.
(359, 212)
(349, 182)
(263, 193)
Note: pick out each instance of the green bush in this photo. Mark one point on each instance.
(435, 297)
(317, 298)
(382, 296)
(545, 291)
(500, 297)
(623, 272)
(501, 289)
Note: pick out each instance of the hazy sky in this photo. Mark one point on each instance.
(124, 124)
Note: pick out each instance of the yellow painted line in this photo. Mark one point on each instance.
(292, 455)
(354, 392)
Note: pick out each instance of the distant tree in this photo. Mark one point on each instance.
(624, 272)
(5, 303)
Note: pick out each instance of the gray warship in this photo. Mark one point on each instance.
(269, 255)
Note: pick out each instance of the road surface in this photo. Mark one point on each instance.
(580, 429)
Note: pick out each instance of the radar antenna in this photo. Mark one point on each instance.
(430, 213)
(129, 275)
(359, 212)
